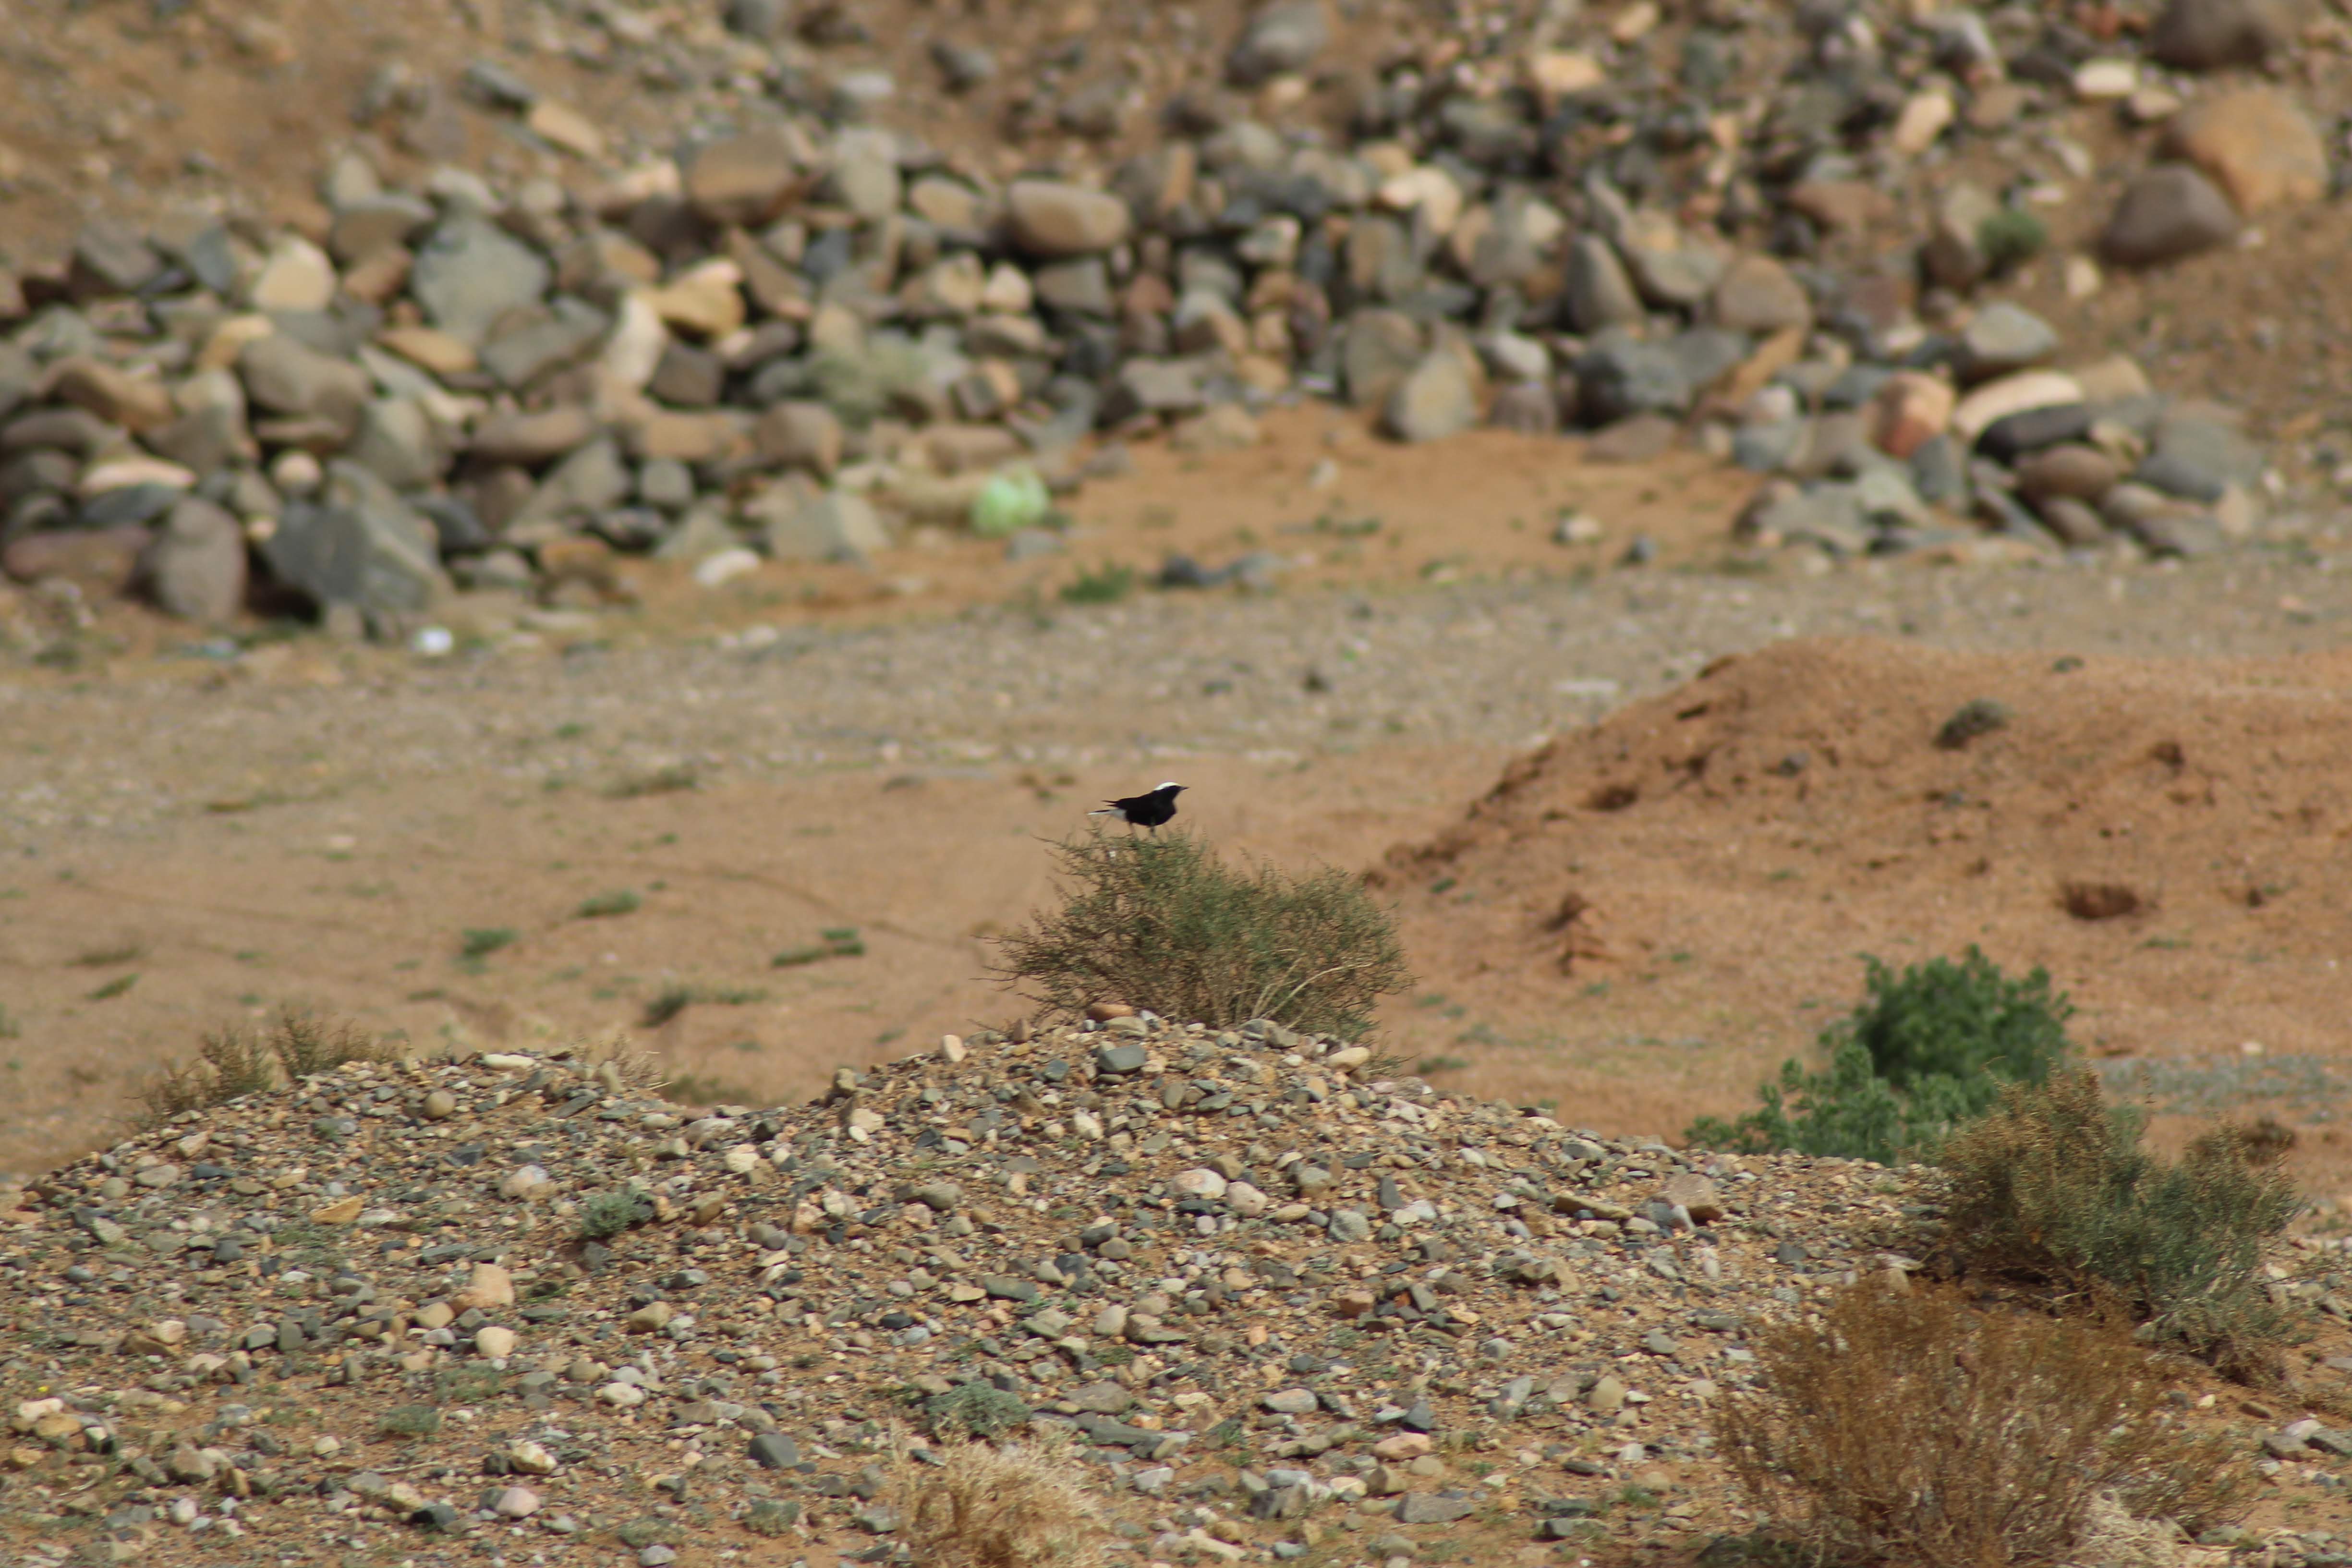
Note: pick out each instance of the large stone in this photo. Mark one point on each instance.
(799, 435)
(1669, 267)
(2167, 212)
(358, 544)
(2203, 35)
(470, 273)
(1954, 256)
(1279, 38)
(113, 393)
(398, 443)
(1909, 409)
(2258, 145)
(746, 180)
(1996, 400)
(1051, 218)
(532, 440)
(1378, 350)
(549, 340)
(1599, 293)
(375, 224)
(1440, 399)
(100, 562)
(1621, 375)
(296, 276)
(1434, 1508)
(590, 480)
(2070, 468)
(284, 376)
(836, 525)
(2002, 338)
(1758, 295)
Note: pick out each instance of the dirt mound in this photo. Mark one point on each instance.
(2172, 841)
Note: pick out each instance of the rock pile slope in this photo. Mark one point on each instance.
(514, 1308)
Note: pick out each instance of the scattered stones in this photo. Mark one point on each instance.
(2257, 145)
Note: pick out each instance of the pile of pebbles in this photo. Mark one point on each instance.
(1269, 1293)
(518, 1308)
(800, 334)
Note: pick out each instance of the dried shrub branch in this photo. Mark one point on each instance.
(1905, 1427)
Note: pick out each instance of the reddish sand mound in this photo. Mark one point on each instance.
(2173, 840)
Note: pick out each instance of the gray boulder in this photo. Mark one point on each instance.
(470, 273)
(358, 544)
(195, 566)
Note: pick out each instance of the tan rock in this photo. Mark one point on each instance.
(342, 1211)
(2010, 394)
(707, 301)
(488, 1286)
(1911, 409)
(561, 125)
(431, 349)
(2258, 145)
(113, 393)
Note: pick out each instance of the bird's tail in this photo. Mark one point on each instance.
(1104, 811)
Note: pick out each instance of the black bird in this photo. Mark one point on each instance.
(1144, 810)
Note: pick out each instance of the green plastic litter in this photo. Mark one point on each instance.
(1013, 499)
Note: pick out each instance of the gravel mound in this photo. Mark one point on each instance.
(513, 1307)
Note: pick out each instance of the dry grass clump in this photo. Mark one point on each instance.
(235, 1063)
(1158, 921)
(1019, 1506)
(2052, 1184)
(1905, 1427)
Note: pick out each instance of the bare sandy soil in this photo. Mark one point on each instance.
(192, 842)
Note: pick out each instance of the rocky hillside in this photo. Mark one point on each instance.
(785, 324)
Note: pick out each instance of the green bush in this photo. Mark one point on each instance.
(1104, 585)
(2010, 238)
(975, 1410)
(1928, 1050)
(410, 1421)
(2053, 1182)
(1160, 921)
(609, 1214)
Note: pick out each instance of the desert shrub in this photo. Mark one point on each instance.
(2054, 1183)
(1903, 1425)
(234, 1063)
(304, 1046)
(975, 1410)
(1926, 1051)
(611, 1213)
(410, 1421)
(1016, 1506)
(768, 1516)
(1160, 921)
(2009, 239)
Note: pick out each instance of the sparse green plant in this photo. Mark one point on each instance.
(2009, 239)
(1428, 1065)
(667, 1004)
(771, 1516)
(1102, 585)
(1160, 921)
(1906, 1426)
(1928, 1050)
(975, 1410)
(835, 942)
(620, 901)
(228, 1066)
(668, 780)
(1977, 716)
(410, 1421)
(480, 941)
(610, 1213)
(2053, 1184)
(115, 988)
(107, 957)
